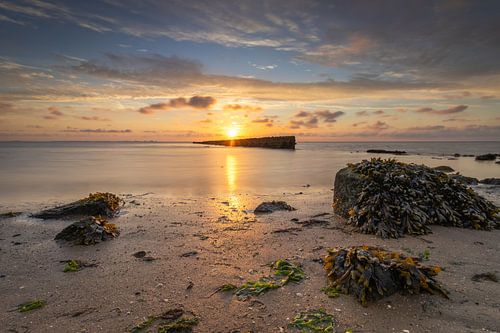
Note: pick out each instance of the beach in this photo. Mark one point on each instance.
(203, 234)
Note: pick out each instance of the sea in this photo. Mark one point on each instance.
(44, 171)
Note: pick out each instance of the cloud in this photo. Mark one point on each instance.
(206, 121)
(312, 118)
(195, 102)
(94, 118)
(312, 122)
(454, 109)
(242, 107)
(97, 130)
(379, 126)
(327, 116)
(265, 121)
(54, 113)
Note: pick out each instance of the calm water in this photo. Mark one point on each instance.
(58, 170)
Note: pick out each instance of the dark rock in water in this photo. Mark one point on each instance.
(275, 142)
(456, 155)
(96, 204)
(372, 273)
(490, 181)
(486, 157)
(88, 231)
(444, 168)
(464, 179)
(272, 206)
(390, 199)
(383, 151)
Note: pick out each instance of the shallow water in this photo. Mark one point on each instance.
(58, 170)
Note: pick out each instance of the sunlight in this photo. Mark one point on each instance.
(232, 132)
(231, 166)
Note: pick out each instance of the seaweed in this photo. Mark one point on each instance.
(7, 215)
(371, 273)
(71, 266)
(88, 231)
(171, 321)
(293, 273)
(331, 292)
(396, 198)
(281, 268)
(317, 321)
(31, 305)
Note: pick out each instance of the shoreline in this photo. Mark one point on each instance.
(232, 245)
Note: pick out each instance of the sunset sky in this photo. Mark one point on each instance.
(187, 70)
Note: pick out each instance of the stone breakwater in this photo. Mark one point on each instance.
(275, 142)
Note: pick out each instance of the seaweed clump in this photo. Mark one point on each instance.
(395, 198)
(283, 273)
(371, 273)
(31, 305)
(317, 321)
(88, 231)
(96, 204)
(171, 321)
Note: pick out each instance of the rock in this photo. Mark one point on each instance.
(456, 155)
(275, 142)
(9, 215)
(490, 181)
(88, 231)
(347, 187)
(390, 199)
(372, 273)
(464, 179)
(272, 206)
(486, 157)
(444, 168)
(96, 204)
(383, 151)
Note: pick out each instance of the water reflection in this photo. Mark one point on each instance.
(231, 172)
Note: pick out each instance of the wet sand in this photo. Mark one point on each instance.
(232, 246)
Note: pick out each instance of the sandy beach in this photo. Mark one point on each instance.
(200, 243)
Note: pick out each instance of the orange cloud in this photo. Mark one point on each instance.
(195, 102)
(240, 107)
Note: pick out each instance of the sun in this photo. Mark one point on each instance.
(232, 132)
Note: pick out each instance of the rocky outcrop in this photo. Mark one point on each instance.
(347, 187)
(444, 168)
(272, 206)
(490, 181)
(486, 157)
(391, 199)
(383, 151)
(275, 142)
(464, 179)
(88, 231)
(96, 204)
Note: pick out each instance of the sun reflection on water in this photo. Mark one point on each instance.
(231, 172)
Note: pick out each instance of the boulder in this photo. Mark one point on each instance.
(347, 187)
(272, 206)
(88, 231)
(464, 179)
(444, 168)
(383, 151)
(490, 181)
(390, 199)
(486, 157)
(96, 204)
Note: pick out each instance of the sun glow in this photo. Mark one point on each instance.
(232, 132)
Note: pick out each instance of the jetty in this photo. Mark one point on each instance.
(274, 142)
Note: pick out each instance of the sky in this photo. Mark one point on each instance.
(182, 70)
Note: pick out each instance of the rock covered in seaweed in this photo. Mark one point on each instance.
(96, 204)
(490, 181)
(272, 206)
(444, 168)
(88, 231)
(372, 273)
(390, 199)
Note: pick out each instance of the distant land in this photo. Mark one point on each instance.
(274, 142)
